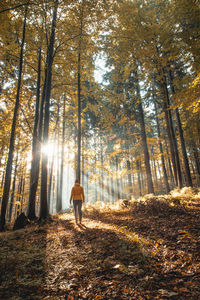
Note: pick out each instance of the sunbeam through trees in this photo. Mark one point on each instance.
(106, 92)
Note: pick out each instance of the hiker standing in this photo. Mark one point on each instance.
(78, 197)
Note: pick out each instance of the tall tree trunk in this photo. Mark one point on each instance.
(112, 192)
(129, 178)
(83, 164)
(161, 151)
(44, 171)
(35, 159)
(62, 154)
(196, 159)
(171, 135)
(101, 172)
(154, 167)
(180, 129)
(2, 183)
(13, 190)
(95, 167)
(78, 172)
(138, 176)
(50, 181)
(19, 192)
(111, 189)
(118, 194)
(12, 136)
(58, 198)
(144, 140)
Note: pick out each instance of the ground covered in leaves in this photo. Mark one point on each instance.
(147, 249)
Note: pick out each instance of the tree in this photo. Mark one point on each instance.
(43, 194)
(12, 136)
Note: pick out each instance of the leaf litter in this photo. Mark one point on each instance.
(133, 252)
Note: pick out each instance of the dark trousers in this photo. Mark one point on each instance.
(77, 209)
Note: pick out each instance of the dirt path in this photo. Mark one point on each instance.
(113, 255)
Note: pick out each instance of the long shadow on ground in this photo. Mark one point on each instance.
(174, 234)
(22, 263)
(105, 263)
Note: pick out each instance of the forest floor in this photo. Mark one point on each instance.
(148, 249)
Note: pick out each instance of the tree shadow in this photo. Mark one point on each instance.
(164, 224)
(173, 233)
(103, 257)
(23, 263)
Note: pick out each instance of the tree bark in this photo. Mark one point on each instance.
(171, 135)
(78, 172)
(118, 194)
(101, 172)
(62, 154)
(161, 151)
(196, 160)
(144, 140)
(13, 190)
(12, 136)
(44, 169)
(138, 176)
(129, 178)
(180, 129)
(58, 198)
(35, 159)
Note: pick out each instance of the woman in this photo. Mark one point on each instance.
(78, 197)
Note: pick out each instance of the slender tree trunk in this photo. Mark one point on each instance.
(102, 172)
(78, 172)
(132, 171)
(19, 197)
(95, 167)
(171, 136)
(118, 194)
(2, 183)
(62, 154)
(180, 129)
(161, 151)
(138, 176)
(44, 171)
(112, 192)
(184, 152)
(112, 189)
(87, 188)
(35, 159)
(12, 136)
(52, 163)
(129, 178)
(144, 140)
(23, 187)
(83, 164)
(50, 181)
(58, 198)
(196, 160)
(154, 167)
(13, 190)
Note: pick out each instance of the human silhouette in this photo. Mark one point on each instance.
(78, 197)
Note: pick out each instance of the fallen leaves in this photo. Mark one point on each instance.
(123, 254)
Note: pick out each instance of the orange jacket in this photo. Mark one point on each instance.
(77, 193)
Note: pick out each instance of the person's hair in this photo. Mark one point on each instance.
(76, 181)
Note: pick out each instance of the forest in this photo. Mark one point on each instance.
(106, 92)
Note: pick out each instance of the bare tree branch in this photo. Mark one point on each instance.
(14, 7)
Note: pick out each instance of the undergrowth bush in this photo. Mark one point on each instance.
(177, 201)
